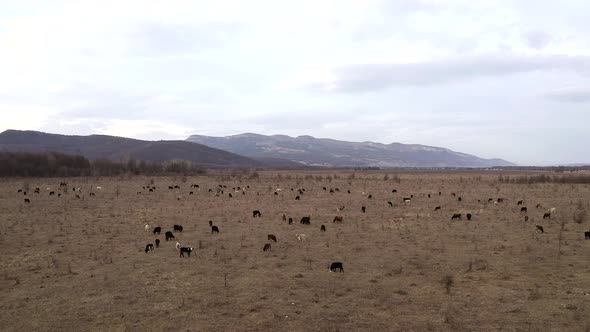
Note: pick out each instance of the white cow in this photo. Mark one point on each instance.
(146, 228)
(301, 237)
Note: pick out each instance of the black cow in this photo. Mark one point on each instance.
(157, 230)
(547, 215)
(256, 213)
(500, 200)
(176, 187)
(540, 228)
(390, 203)
(394, 191)
(169, 235)
(338, 219)
(323, 228)
(290, 220)
(305, 220)
(519, 202)
(91, 194)
(436, 208)
(266, 247)
(523, 209)
(214, 229)
(27, 200)
(297, 198)
(459, 198)
(210, 222)
(191, 193)
(587, 235)
(272, 237)
(348, 191)
(170, 187)
(157, 243)
(428, 195)
(51, 193)
(407, 199)
(370, 196)
(526, 218)
(336, 266)
(468, 216)
(149, 247)
(364, 209)
(188, 251)
(177, 228)
(456, 216)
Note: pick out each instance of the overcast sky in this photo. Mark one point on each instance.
(507, 79)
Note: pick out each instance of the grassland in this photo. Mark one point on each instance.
(72, 264)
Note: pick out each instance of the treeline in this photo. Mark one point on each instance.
(54, 164)
(545, 178)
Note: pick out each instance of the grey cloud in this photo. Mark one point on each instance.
(374, 77)
(569, 95)
(537, 39)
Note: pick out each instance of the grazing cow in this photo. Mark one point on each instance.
(436, 208)
(523, 209)
(157, 243)
(305, 220)
(91, 194)
(587, 235)
(323, 228)
(214, 229)
(394, 191)
(290, 220)
(370, 196)
(37, 190)
(348, 191)
(331, 191)
(459, 198)
(300, 237)
(176, 187)
(519, 202)
(540, 229)
(364, 209)
(297, 198)
(170, 187)
(256, 213)
(51, 193)
(336, 266)
(338, 219)
(551, 210)
(169, 235)
(177, 228)
(468, 216)
(324, 188)
(210, 222)
(547, 215)
(526, 218)
(191, 193)
(157, 230)
(456, 216)
(407, 199)
(500, 200)
(146, 228)
(188, 251)
(151, 190)
(27, 200)
(272, 237)
(78, 196)
(390, 203)
(149, 247)
(266, 247)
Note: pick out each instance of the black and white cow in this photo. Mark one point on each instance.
(186, 250)
(149, 247)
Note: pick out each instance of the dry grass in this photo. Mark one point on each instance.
(79, 265)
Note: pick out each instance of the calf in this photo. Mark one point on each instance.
(456, 216)
(338, 219)
(149, 247)
(336, 266)
(157, 230)
(51, 193)
(169, 235)
(323, 228)
(290, 220)
(305, 220)
(364, 209)
(523, 209)
(157, 243)
(214, 229)
(587, 235)
(256, 213)
(188, 251)
(266, 247)
(272, 237)
(297, 198)
(177, 228)
(27, 200)
(468, 216)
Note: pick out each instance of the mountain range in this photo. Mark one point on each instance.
(313, 151)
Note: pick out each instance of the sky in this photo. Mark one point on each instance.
(495, 78)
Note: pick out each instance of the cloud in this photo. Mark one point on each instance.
(569, 95)
(374, 77)
(537, 39)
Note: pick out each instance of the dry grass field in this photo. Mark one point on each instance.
(72, 264)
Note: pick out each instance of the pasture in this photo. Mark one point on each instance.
(78, 264)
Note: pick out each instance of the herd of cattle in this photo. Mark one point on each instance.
(305, 220)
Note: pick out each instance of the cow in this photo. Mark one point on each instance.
(390, 203)
(364, 209)
(519, 202)
(540, 229)
(284, 217)
(51, 193)
(169, 235)
(266, 247)
(587, 235)
(428, 195)
(436, 208)
(459, 199)
(338, 219)
(297, 198)
(336, 266)
(177, 228)
(176, 187)
(290, 220)
(453, 194)
(91, 194)
(370, 196)
(490, 200)
(149, 247)
(157, 243)
(27, 200)
(256, 213)
(394, 191)
(456, 216)
(323, 228)
(191, 193)
(500, 200)
(214, 229)
(272, 237)
(37, 190)
(146, 228)
(188, 251)
(305, 220)
(407, 199)
(523, 209)
(348, 191)
(526, 218)
(538, 206)
(547, 215)
(468, 216)
(331, 191)
(170, 187)
(157, 230)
